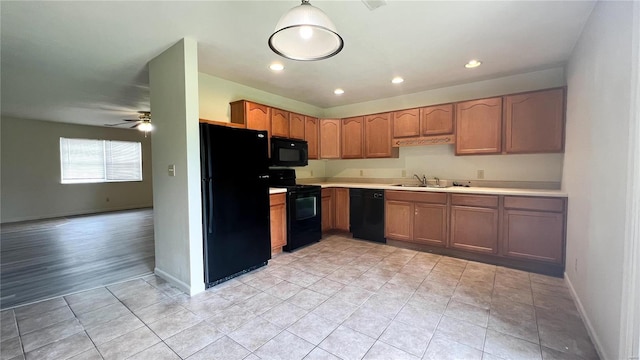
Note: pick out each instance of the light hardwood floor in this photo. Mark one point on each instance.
(47, 258)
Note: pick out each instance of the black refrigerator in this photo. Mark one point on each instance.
(235, 201)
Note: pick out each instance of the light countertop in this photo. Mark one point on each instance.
(273, 190)
(452, 189)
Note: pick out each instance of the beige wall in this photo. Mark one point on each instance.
(595, 168)
(215, 94)
(30, 172)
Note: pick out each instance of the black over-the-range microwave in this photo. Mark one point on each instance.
(288, 152)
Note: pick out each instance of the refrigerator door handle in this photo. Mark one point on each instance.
(210, 203)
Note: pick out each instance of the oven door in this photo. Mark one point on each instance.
(304, 225)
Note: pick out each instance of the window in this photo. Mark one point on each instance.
(91, 161)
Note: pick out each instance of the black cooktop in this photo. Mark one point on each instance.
(286, 178)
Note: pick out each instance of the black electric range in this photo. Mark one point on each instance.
(304, 223)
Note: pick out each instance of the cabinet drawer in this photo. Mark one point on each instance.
(277, 199)
(416, 196)
(490, 201)
(534, 203)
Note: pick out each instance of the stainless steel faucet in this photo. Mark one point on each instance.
(437, 180)
(423, 181)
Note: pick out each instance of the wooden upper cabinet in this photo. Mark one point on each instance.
(279, 123)
(436, 120)
(406, 123)
(377, 136)
(330, 138)
(311, 136)
(252, 115)
(352, 138)
(296, 126)
(479, 126)
(534, 122)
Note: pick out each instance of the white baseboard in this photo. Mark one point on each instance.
(592, 333)
(177, 282)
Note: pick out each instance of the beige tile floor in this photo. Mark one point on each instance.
(338, 299)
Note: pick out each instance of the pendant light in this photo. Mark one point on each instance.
(305, 33)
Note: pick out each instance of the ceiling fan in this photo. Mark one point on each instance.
(143, 123)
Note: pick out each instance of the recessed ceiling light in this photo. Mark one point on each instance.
(338, 91)
(276, 67)
(473, 64)
(397, 80)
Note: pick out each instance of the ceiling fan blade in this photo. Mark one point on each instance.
(131, 119)
(134, 126)
(115, 124)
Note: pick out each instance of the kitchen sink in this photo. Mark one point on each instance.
(427, 186)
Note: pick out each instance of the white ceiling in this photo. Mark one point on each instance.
(86, 62)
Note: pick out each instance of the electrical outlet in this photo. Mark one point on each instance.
(576, 265)
(107, 199)
(480, 174)
(404, 173)
(361, 172)
(311, 173)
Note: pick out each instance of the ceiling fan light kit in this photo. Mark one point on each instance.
(305, 33)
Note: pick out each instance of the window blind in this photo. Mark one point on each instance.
(88, 161)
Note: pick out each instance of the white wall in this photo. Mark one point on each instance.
(177, 215)
(595, 168)
(440, 160)
(30, 168)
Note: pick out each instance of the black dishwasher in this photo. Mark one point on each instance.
(366, 214)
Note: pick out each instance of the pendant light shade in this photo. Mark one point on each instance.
(305, 33)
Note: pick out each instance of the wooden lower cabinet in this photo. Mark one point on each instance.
(474, 229)
(417, 217)
(278, 216)
(430, 224)
(327, 209)
(518, 231)
(534, 229)
(341, 207)
(398, 223)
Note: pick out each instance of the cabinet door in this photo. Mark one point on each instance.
(398, 220)
(406, 123)
(296, 126)
(474, 229)
(437, 120)
(311, 135)
(330, 138)
(534, 235)
(258, 117)
(479, 127)
(534, 122)
(430, 224)
(327, 209)
(341, 215)
(279, 123)
(278, 217)
(377, 136)
(352, 138)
